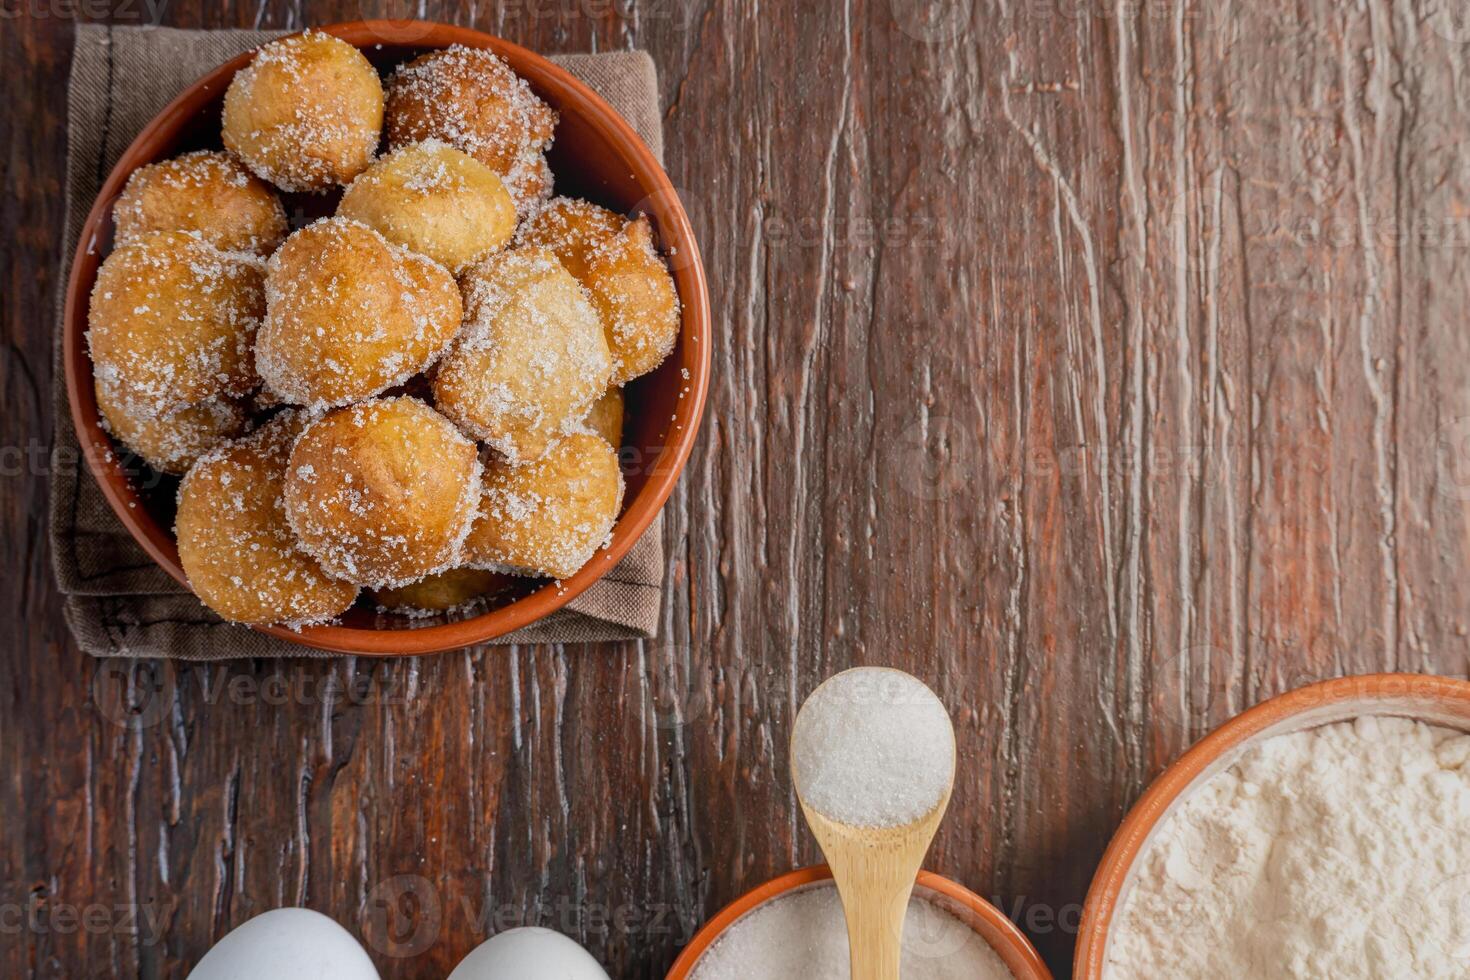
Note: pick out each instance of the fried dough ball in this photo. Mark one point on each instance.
(572, 228)
(444, 592)
(349, 315)
(207, 193)
(471, 99)
(172, 441)
(548, 518)
(531, 359)
(606, 416)
(172, 321)
(435, 200)
(240, 556)
(635, 297)
(306, 113)
(383, 493)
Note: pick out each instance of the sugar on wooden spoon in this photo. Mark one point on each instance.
(873, 761)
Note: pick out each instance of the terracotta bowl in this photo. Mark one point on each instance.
(1437, 700)
(1014, 949)
(596, 155)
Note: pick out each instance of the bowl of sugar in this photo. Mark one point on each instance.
(792, 928)
(1322, 833)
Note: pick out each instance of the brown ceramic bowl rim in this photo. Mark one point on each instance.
(673, 226)
(999, 932)
(1440, 700)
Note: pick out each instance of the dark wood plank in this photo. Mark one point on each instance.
(1100, 364)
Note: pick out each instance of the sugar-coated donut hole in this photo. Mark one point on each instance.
(241, 558)
(172, 321)
(382, 493)
(548, 517)
(205, 193)
(306, 114)
(434, 200)
(471, 99)
(531, 359)
(635, 298)
(350, 315)
(170, 442)
(572, 228)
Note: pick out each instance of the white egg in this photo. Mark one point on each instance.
(528, 953)
(287, 944)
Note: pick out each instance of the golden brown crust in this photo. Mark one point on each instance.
(548, 517)
(170, 442)
(172, 320)
(471, 99)
(531, 359)
(606, 416)
(636, 300)
(241, 558)
(206, 193)
(350, 315)
(444, 592)
(306, 113)
(572, 228)
(382, 493)
(434, 200)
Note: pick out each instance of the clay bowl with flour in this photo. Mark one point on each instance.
(988, 923)
(597, 155)
(1434, 700)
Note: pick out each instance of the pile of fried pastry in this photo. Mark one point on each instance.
(416, 396)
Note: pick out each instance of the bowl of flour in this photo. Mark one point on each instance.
(1323, 833)
(792, 928)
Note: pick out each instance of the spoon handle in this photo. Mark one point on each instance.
(875, 900)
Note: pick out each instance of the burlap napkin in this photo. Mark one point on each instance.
(118, 602)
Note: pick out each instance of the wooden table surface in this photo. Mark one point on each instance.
(1104, 365)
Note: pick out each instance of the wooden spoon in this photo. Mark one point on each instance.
(874, 869)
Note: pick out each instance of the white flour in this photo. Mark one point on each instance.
(803, 936)
(1342, 852)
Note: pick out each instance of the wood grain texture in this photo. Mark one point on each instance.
(1102, 364)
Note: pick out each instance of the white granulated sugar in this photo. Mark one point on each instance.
(1340, 852)
(873, 748)
(803, 936)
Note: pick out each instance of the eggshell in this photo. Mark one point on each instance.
(287, 944)
(519, 954)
